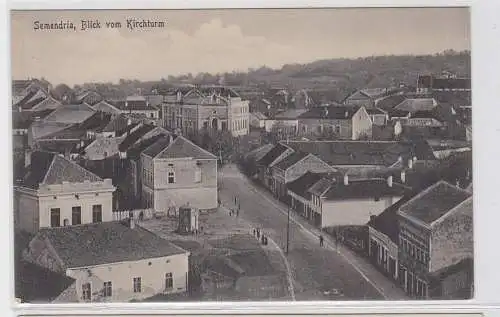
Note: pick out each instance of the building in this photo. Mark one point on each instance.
(21, 88)
(190, 110)
(176, 172)
(57, 192)
(300, 197)
(352, 202)
(308, 98)
(336, 122)
(70, 114)
(111, 261)
(107, 107)
(292, 167)
(383, 240)
(89, 97)
(435, 236)
(137, 105)
(366, 97)
(257, 120)
(265, 163)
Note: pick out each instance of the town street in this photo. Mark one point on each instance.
(318, 272)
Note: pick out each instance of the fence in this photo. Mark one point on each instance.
(124, 214)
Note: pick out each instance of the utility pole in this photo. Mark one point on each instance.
(288, 230)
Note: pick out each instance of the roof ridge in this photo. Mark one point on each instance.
(80, 168)
(192, 143)
(50, 166)
(446, 214)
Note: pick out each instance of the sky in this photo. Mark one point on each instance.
(213, 41)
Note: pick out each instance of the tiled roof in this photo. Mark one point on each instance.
(50, 168)
(273, 154)
(105, 243)
(78, 131)
(258, 153)
(71, 114)
(388, 222)
(102, 148)
(331, 112)
(434, 202)
(301, 185)
(365, 188)
(23, 120)
(135, 136)
(37, 284)
(119, 123)
(106, 107)
(291, 160)
(464, 265)
(180, 147)
(321, 186)
(61, 146)
(289, 114)
(19, 85)
(362, 152)
(374, 111)
(390, 102)
(259, 115)
(417, 104)
(135, 151)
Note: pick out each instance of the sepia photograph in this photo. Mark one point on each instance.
(220, 155)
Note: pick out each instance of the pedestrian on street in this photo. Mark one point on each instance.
(263, 239)
(237, 212)
(321, 240)
(258, 233)
(254, 232)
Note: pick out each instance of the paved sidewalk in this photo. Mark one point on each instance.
(384, 285)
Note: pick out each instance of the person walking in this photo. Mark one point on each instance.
(321, 240)
(258, 233)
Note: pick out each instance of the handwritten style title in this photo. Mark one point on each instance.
(86, 25)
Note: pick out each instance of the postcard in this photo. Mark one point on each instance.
(319, 154)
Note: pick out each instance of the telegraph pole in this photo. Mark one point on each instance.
(288, 230)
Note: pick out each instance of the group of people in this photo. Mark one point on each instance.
(259, 236)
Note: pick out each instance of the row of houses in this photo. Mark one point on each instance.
(383, 199)
(81, 165)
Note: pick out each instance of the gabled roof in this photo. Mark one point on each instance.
(324, 97)
(390, 102)
(375, 111)
(23, 120)
(273, 154)
(135, 150)
(331, 112)
(79, 130)
(105, 243)
(180, 147)
(362, 152)
(61, 146)
(417, 104)
(51, 168)
(135, 136)
(321, 186)
(434, 202)
(105, 106)
(258, 153)
(301, 185)
(364, 188)
(120, 123)
(388, 222)
(71, 114)
(290, 114)
(291, 160)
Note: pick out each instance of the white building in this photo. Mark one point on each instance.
(57, 192)
(110, 261)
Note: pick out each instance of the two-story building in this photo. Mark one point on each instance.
(265, 164)
(137, 105)
(58, 192)
(292, 167)
(435, 236)
(300, 196)
(110, 261)
(176, 172)
(337, 122)
(366, 97)
(192, 109)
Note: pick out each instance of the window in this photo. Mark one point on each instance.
(108, 289)
(55, 217)
(169, 281)
(96, 213)
(197, 174)
(137, 285)
(171, 177)
(86, 291)
(337, 129)
(76, 215)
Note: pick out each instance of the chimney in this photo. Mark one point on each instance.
(346, 179)
(403, 177)
(410, 163)
(389, 181)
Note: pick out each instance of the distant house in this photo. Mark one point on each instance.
(308, 98)
(70, 114)
(107, 107)
(257, 120)
(335, 121)
(36, 100)
(56, 192)
(286, 122)
(435, 241)
(111, 261)
(21, 88)
(138, 105)
(352, 202)
(177, 172)
(89, 97)
(366, 97)
(379, 117)
(292, 167)
(300, 197)
(429, 83)
(265, 164)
